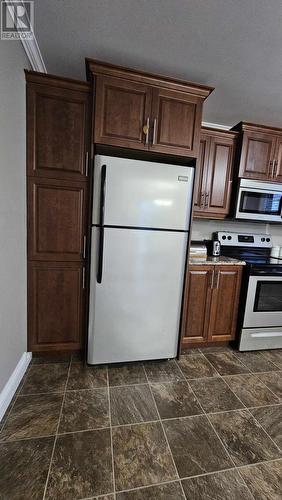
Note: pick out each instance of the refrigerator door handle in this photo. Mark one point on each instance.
(102, 215)
(100, 255)
(103, 194)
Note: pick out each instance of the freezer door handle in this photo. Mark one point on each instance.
(102, 215)
(100, 255)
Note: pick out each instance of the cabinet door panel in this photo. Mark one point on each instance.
(55, 305)
(177, 119)
(201, 174)
(56, 219)
(57, 131)
(122, 110)
(218, 190)
(256, 155)
(224, 304)
(196, 304)
(278, 156)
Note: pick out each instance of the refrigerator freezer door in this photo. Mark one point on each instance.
(143, 194)
(135, 310)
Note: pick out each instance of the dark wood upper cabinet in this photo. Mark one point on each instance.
(58, 118)
(122, 110)
(259, 152)
(211, 301)
(277, 171)
(197, 304)
(201, 174)
(138, 110)
(176, 122)
(57, 219)
(55, 306)
(214, 173)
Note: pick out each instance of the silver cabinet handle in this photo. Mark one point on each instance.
(271, 168)
(154, 131)
(83, 278)
(217, 279)
(275, 164)
(86, 163)
(146, 130)
(211, 279)
(202, 202)
(84, 247)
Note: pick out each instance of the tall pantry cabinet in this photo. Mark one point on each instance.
(58, 161)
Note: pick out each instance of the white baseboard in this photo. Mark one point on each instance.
(11, 386)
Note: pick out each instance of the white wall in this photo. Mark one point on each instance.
(203, 229)
(12, 208)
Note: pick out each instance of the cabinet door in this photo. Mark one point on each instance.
(224, 304)
(55, 306)
(219, 176)
(176, 120)
(278, 164)
(257, 155)
(197, 304)
(56, 219)
(201, 175)
(57, 131)
(122, 109)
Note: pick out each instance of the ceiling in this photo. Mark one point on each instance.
(234, 45)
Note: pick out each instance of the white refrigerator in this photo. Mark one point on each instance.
(140, 225)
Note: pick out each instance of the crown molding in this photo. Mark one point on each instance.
(31, 48)
(34, 55)
(216, 125)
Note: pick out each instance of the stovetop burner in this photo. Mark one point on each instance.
(256, 260)
(254, 249)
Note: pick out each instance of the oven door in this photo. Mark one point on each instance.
(264, 302)
(259, 204)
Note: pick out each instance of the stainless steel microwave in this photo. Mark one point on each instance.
(260, 201)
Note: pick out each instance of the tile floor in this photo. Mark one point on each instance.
(208, 426)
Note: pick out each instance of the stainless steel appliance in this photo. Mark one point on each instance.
(260, 201)
(141, 218)
(260, 310)
(213, 247)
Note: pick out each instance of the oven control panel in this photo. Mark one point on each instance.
(227, 238)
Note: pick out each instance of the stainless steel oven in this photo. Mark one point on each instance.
(260, 311)
(259, 201)
(264, 301)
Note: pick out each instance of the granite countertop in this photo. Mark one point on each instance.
(217, 261)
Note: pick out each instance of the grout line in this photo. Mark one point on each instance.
(261, 356)
(246, 408)
(16, 395)
(111, 434)
(56, 435)
(254, 406)
(238, 360)
(191, 477)
(227, 452)
(263, 383)
(264, 430)
(273, 362)
(229, 455)
(164, 433)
